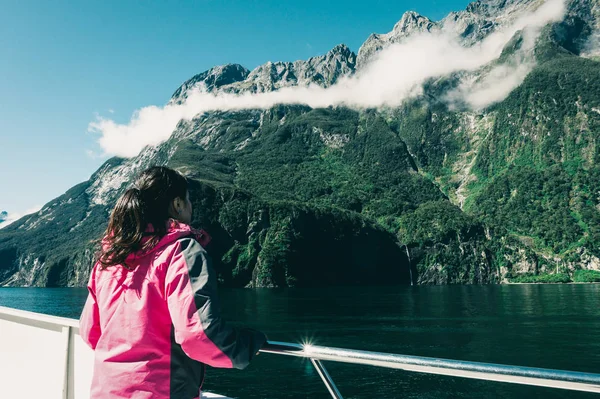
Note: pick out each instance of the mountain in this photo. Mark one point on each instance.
(429, 191)
(324, 71)
(3, 216)
(472, 25)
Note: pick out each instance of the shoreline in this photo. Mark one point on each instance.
(571, 282)
(349, 286)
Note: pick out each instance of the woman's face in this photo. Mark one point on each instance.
(183, 209)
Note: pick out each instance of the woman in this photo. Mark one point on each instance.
(152, 316)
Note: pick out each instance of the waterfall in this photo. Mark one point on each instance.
(409, 264)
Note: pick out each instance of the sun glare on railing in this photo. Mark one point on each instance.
(307, 346)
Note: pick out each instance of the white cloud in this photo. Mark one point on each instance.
(395, 74)
(478, 92)
(494, 87)
(592, 46)
(16, 216)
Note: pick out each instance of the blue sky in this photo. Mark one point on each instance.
(63, 63)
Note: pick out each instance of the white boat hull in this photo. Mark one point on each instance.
(44, 356)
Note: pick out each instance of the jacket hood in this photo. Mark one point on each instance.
(175, 231)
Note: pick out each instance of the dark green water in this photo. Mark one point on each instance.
(552, 326)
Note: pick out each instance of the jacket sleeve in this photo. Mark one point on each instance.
(89, 322)
(191, 293)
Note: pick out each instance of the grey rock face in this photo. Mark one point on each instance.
(213, 79)
(323, 70)
(410, 24)
(471, 25)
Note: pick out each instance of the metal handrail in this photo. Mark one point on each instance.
(570, 380)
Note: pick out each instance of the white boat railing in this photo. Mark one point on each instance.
(42, 355)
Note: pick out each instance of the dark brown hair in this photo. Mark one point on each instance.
(146, 203)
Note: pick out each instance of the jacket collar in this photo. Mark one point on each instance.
(175, 231)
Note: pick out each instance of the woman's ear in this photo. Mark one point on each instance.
(174, 206)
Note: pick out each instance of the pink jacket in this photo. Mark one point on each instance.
(154, 327)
